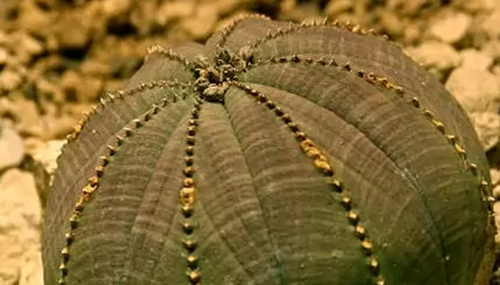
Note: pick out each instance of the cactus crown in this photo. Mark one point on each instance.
(338, 175)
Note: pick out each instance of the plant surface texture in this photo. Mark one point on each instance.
(276, 153)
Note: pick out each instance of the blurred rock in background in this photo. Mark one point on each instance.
(58, 56)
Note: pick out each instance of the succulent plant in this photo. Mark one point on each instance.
(276, 153)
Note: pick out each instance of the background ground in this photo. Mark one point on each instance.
(58, 56)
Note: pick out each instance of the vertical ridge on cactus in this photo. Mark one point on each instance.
(278, 153)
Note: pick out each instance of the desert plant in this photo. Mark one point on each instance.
(276, 153)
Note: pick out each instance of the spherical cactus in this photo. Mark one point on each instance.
(276, 153)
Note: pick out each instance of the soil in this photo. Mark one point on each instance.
(58, 56)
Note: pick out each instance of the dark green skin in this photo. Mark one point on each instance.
(263, 213)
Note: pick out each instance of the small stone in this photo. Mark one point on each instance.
(31, 268)
(49, 4)
(451, 28)
(406, 7)
(49, 66)
(9, 80)
(495, 181)
(169, 12)
(4, 38)
(336, 7)
(142, 17)
(487, 126)
(11, 148)
(116, 8)
(80, 88)
(475, 89)
(44, 156)
(492, 49)
(30, 45)
(496, 71)
(225, 7)
(45, 152)
(495, 176)
(7, 9)
(391, 22)
(475, 6)
(491, 25)
(50, 90)
(201, 25)
(434, 54)
(4, 55)
(287, 6)
(25, 113)
(34, 20)
(475, 58)
(412, 34)
(496, 192)
(20, 221)
(93, 67)
(59, 126)
(25, 47)
(496, 210)
(64, 32)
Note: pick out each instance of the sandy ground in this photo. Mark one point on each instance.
(58, 56)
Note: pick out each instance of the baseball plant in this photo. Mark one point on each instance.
(276, 153)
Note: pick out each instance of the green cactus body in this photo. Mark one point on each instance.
(278, 153)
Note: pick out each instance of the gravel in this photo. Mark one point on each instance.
(57, 57)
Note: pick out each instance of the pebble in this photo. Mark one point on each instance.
(476, 59)
(49, 89)
(20, 221)
(44, 156)
(71, 40)
(412, 33)
(495, 176)
(492, 49)
(58, 125)
(32, 268)
(475, 6)
(169, 12)
(223, 7)
(392, 22)
(69, 83)
(336, 7)
(4, 55)
(9, 80)
(201, 25)
(474, 88)
(142, 18)
(496, 192)
(496, 209)
(26, 115)
(11, 148)
(97, 68)
(434, 54)
(34, 20)
(487, 125)
(4, 38)
(491, 25)
(451, 28)
(116, 8)
(495, 181)
(28, 47)
(406, 7)
(80, 88)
